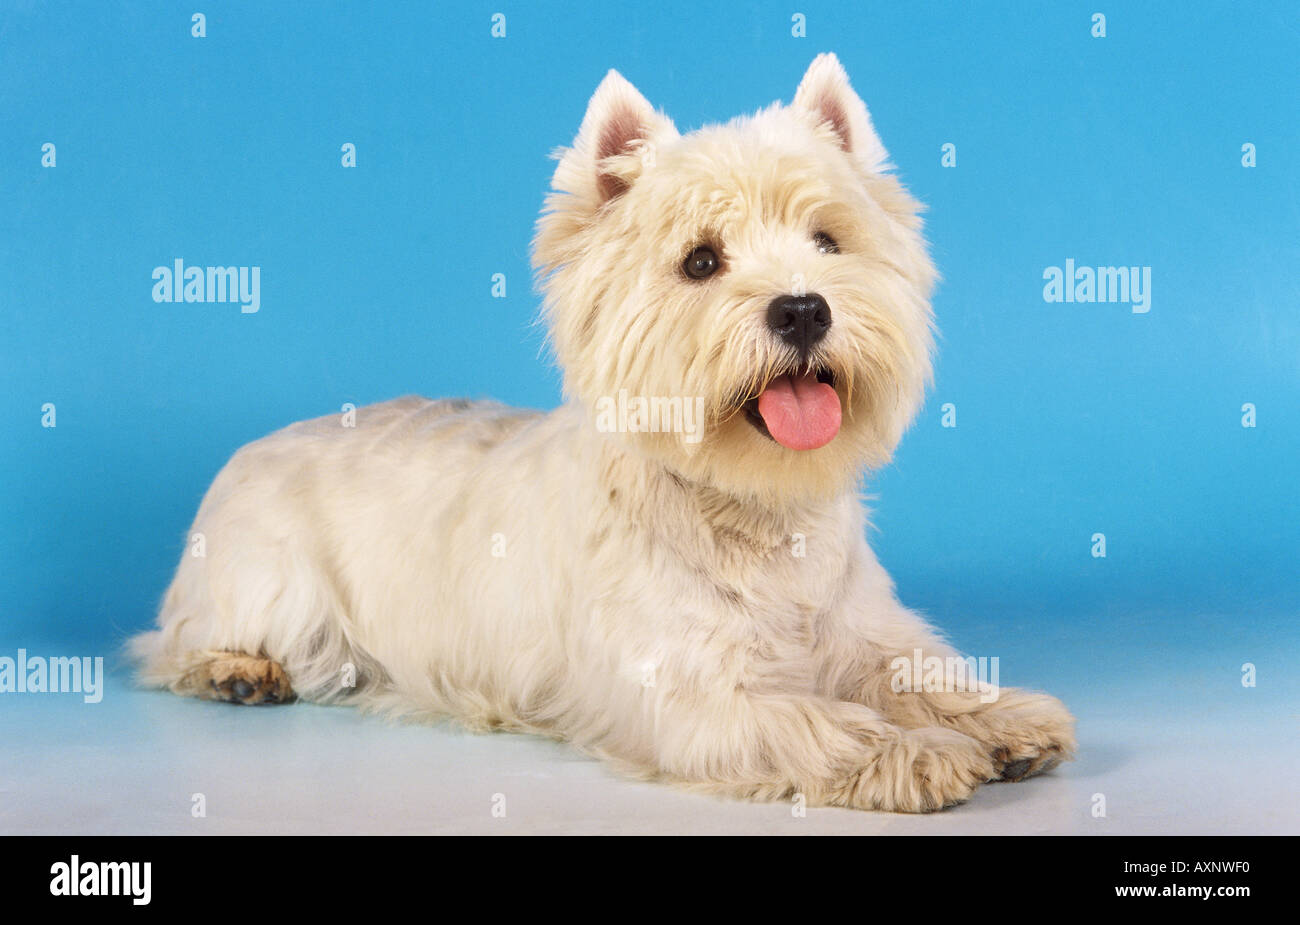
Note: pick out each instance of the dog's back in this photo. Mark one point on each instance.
(287, 565)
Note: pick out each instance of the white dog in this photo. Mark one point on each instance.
(695, 603)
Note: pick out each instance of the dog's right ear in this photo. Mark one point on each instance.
(615, 144)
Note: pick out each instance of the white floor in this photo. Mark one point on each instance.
(133, 763)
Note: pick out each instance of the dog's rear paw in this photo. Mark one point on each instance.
(247, 679)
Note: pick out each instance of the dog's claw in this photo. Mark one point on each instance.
(248, 679)
(1015, 770)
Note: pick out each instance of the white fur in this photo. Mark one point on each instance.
(649, 605)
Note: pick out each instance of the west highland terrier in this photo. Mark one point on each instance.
(670, 570)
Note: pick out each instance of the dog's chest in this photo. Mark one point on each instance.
(778, 599)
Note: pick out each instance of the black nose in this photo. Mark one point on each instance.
(799, 320)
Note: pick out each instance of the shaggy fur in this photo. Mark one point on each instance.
(706, 613)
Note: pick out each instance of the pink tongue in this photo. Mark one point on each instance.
(800, 413)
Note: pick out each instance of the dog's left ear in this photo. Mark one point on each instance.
(826, 96)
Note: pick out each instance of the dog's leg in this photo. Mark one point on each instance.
(235, 677)
(863, 650)
(1025, 732)
(833, 754)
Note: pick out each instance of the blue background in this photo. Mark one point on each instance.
(376, 282)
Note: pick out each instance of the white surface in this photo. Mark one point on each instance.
(132, 764)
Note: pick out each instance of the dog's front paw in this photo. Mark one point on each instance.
(922, 771)
(1027, 733)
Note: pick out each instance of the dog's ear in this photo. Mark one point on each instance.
(826, 96)
(617, 139)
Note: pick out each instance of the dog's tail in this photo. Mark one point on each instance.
(151, 662)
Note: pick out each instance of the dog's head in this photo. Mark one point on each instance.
(768, 273)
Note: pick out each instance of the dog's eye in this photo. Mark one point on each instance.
(702, 262)
(825, 243)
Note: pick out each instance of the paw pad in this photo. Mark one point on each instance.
(249, 680)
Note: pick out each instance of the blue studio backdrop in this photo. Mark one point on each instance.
(1164, 137)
